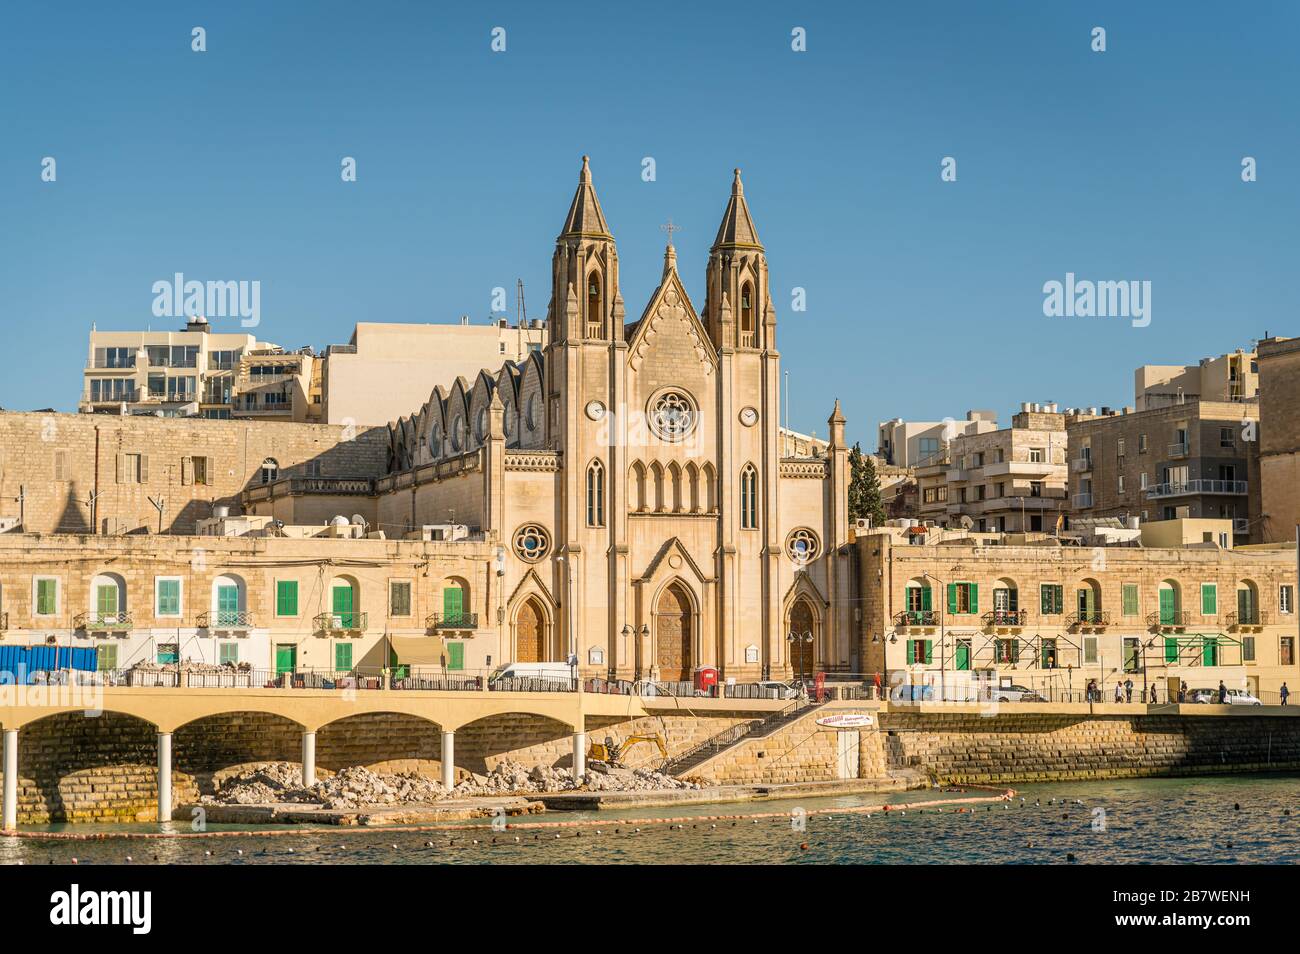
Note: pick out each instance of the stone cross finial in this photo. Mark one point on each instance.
(670, 228)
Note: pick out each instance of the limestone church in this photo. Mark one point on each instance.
(632, 474)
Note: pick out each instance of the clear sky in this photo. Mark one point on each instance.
(924, 297)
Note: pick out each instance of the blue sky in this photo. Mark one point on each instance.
(924, 297)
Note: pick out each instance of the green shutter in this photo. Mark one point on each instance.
(1210, 651)
(1130, 599)
(106, 658)
(952, 599)
(1167, 612)
(974, 597)
(1171, 650)
(46, 597)
(343, 657)
(1044, 599)
(925, 599)
(286, 598)
(453, 601)
(929, 651)
(229, 654)
(911, 651)
(1209, 599)
(106, 600)
(455, 655)
(169, 597)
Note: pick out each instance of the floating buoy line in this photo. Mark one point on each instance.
(631, 825)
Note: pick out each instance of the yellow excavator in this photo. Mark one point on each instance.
(611, 752)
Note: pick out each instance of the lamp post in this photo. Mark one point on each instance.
(800, 640)
(943, 667)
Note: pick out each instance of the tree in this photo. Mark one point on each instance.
(864, 488)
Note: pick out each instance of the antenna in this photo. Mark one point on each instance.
(521, 313)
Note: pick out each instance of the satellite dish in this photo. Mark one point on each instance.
(358, 519)
(966, 522)
(340, 521)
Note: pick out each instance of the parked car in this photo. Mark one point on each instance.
(777, 689)
(1236, 697)
(1014, 694)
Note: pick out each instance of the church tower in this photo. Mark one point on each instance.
(738, 306)
(585, 301)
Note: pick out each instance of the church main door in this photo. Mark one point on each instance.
(673, 635)
(802, 652)
(530, 634)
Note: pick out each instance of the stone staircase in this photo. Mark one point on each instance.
(758, 729)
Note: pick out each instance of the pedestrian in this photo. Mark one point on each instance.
(1223, 693)
(1119, 691)
(1153, 693)
(1128, 690)
(876, 680)
(1284, 692)
(1182, 692)
(1092, 690)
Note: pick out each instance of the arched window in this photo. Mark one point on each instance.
(747, 315)
(749, 498)
(270, 470)
(595, 319)
(596, 494)
(638, 488)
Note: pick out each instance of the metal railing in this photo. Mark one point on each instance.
(1197, 486)
(917, 618)
(341, 622)
(1081, 464)
(226, 619)
(1088, 618)
(104, 622)
(1081, 500)
(1178, 450)
(452, 621)
(1005, 618)
(1165, 619)
(1256, 617)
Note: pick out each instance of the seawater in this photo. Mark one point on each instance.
(1173, 821)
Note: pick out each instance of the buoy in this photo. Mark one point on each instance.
(804, 846)
(1069, 857)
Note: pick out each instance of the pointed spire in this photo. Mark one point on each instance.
(737, 228)
(670, 260)
(585, 216)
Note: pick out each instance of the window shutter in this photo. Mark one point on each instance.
(911, 651)
(455, 655)
(1209, 599)
(925, 599)
(144, 468)
(929, 654)
(952, 598)
(1013, 600)
(1171, 649)
(974, 598)
(187, 470)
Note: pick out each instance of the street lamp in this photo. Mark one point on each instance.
(800, 639)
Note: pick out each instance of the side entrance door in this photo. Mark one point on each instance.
(286, 657)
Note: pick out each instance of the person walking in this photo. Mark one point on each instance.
(1128, 690)
(1223, 693)
(1182, 692)
(1092, 690)
(1284, 692)
(1119, 691)
(1153, 693)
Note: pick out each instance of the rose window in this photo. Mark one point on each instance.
(802, 545)
(532, 542)
(673, 415)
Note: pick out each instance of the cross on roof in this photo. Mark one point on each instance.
(670, 229)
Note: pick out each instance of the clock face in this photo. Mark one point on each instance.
(749, 417)
(595, 410)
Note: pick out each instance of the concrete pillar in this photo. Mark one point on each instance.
(579, 755)
(309, 758)
(164, 777)
(448, 759)
(10, 817)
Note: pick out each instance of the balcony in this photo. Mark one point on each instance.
(445, 621)
(909, 618)
(1178, 450)
(104, 622)
(1189, 487)
(232, 621)
(1240, 525)
(1167, 620)
(352, 623)
(1081, 465)
(1243, 622)
(1093, 619)
(1004, 619)
(1081, 501)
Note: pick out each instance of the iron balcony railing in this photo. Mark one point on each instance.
(104, 622)
(1088, 618)
(1082, 500)
(1168, 619)
(341, 622)
(452, 621)
(917, 618)
(1253, 618)
(226, 619)
(1178, 450)
(1186, 487)
(1005, 618)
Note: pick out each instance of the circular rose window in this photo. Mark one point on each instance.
(672, 415)
(802, 545)
(532, 542)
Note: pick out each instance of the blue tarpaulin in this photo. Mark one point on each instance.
(17, 663)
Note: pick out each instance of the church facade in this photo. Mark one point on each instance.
(632, 478)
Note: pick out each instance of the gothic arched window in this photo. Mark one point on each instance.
(749, 498)
(747, 315)
(595, 318)
(596, 494)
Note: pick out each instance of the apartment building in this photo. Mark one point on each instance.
(274, 385)
(943, 608)
(189, 372)
(1279, 438)
(1228, 378)
(1173, 461)
(917, 443)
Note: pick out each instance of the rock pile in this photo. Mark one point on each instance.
(279, 782)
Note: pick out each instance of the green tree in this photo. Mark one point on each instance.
(864, 488)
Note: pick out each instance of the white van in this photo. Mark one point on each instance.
(550, 671)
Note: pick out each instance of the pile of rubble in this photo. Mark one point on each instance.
(279, 782)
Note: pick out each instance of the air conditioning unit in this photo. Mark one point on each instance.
(862, 523)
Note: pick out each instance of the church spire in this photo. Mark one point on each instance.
(585, 217)
(737, 228)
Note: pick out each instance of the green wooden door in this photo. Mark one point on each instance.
(227, 605)
(1168, 608)
(1210, 651)
(1246, 607)
(343, 657)
(343, 607)
(963, 654)
(286, 657)
(453, 604)
(106, 601)
(455, 655)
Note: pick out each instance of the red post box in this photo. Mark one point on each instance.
(706, 681)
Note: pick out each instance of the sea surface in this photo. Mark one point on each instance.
(1174, 821)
